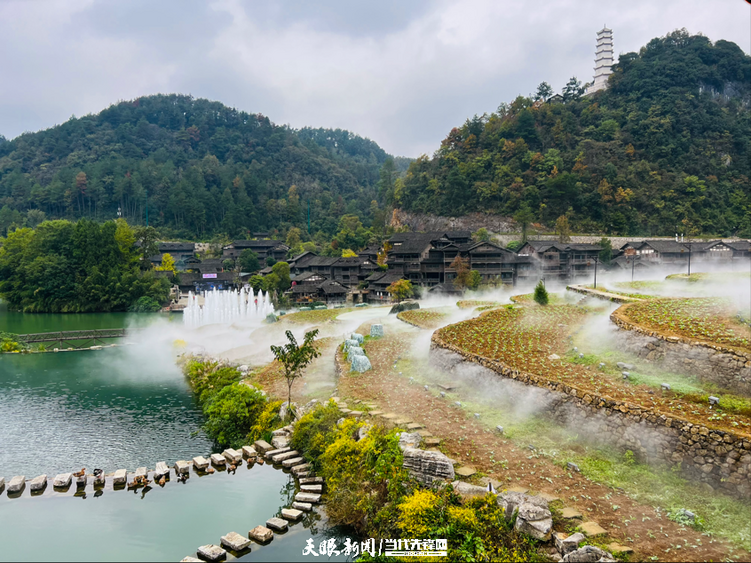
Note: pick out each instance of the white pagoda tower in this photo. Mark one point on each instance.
(603, 60)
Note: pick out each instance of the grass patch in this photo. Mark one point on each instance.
(313, 317)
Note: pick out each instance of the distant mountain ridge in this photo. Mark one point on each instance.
(664, 149)
(192, 166)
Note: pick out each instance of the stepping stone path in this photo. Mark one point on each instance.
(415, 426)
(63, 480)
(161, 470)
(591, 529)
(300, 469)
(262, 446)
(565, 543)
(261, 534)
(249, 452)
(390, 416)
(81, 481)
(233, 456)
(617, 548)
(311, 488)
(121, 476)
(16, 484)
(311, 480)
(375, 413)
(141, 472)
(549, 497)
(292, 514)
(304, 506)
(518, 489)
(181, 467)
(200, 463)
(212, 552)
(218, 460)
(571, 513)
(278, 451)
(38, 483)
(308, 497)
(286, 455)
(288, 463)
(277, 524)
(235, 542)
(432, 441)
(465, 471)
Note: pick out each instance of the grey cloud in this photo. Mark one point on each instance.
(401, 73)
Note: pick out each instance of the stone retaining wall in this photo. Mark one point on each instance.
(728, 368)
(602, 294)
(721, 460)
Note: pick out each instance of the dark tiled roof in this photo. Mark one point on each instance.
(331, 287)
(665, 245)
(444, 288)
(322, 261)
(176, 246)
(257, 243)
(740, 245)
(305, 276)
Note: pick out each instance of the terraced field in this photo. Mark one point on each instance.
(525, 338)
(424, 318)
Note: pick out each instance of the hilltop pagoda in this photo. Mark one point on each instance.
(603, 60)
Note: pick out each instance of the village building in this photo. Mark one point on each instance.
(264, 249)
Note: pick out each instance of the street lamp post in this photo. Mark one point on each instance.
(596, 260)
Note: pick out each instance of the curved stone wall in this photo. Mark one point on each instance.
(726, 367)
(718, 458)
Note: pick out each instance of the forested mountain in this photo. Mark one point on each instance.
(195, 168)
(665, 149)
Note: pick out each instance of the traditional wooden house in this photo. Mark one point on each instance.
(264, 249)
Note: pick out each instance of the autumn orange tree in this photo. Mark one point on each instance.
(461, 266)
(400, 289)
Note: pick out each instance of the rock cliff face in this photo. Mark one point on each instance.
(471, 222)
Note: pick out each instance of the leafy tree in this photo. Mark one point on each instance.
(256, 282)
(147, 240)
(400, 290)
(146, 304)
(544, 91)
(573, 90)
(524, 218)
(481, 235)
(563, 229)
(541, 294)
(295, 358)
(248, 261)
(348, 253)
(475, 279)
(514, 245)
(270, 261)
(460, 265)
(228, 264)
(281, 270)
(168, 263)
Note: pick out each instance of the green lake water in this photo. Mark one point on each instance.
(122, 407)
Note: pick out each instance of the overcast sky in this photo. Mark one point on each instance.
(401, 72)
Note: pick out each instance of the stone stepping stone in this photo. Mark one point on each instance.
(232, 456)
(292, 514)
(298, 469)
(190, 559)
(262, 446)
(200, 463)
(390, 416)
(286, 455)
(415, 426)
(62, 480)
(280, 432)
(289, 463)
(424, 433)
(356, 414)
(342, 405)
(446, 387)
(182, 467)
(403, 421)
(141, 472)
(375, 413)
(312, 498)
(571, 513)
(591, 529)
(311, 488)
(618, 548)
(465, 471)
(212, 552)
(235, 542)
(38, 483)
(16, 484)
(121, 476)
(311, 480)
(277, 451)
(280, 442)
(261, 534)
(432, 441)
(277, 524)
(81, 481)
(301, 474)
(304, 506)
(99, 479)
(161, 470)
(518, 489)
(345, 411)
(218, 460)
(249, 452)
(549, 497)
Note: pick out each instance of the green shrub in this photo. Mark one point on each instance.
(541, 294)
(231, 413)
(145, 304)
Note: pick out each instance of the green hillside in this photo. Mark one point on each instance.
(665, 149)
(196, 168)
